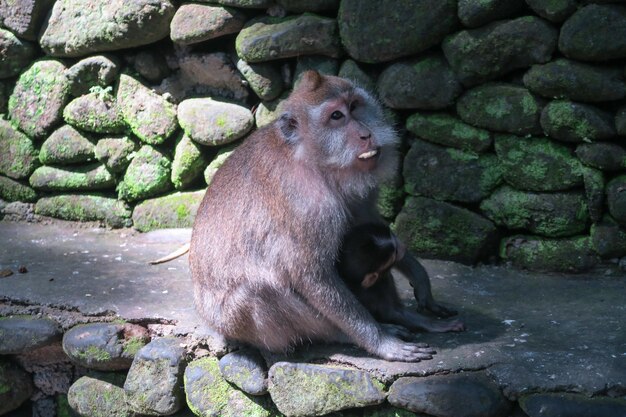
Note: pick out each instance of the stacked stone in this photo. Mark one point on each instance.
(513, 112)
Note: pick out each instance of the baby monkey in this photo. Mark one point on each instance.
(368, 253)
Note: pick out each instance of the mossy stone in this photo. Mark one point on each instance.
(616, 198)
(576, 122)
(208, 394)
(150, 116)
(16, 53)
(92, 397)
(421, 83)
(94, 71)
(608, 238)
(564, 78)
(271, 38)
(83, 207)
(322, 64)
(11, 190)
(594, 191)
(574, 254)
(434, 229)
(214, 123)
(195, 23)
(264, 79)
(24, 18)
(40, 94)
(449, 174)
(169, 211)
(501, 107)
(381, 31)
(561, 404)
(18, 158)
(95, 112)
(116, 152)
(474, 13)
(537, 164)
(217, 162)
(188, 164)
(546, 214)
(66, 145)
(447, 130)
(269, 111)
(93, 176)
(246, 4)
(602, 155)
(553, 10)
(300, 6)
(147, 175)
(16, 386)
(351, 70)
(482, 54)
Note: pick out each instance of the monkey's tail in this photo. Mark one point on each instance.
(177, 253)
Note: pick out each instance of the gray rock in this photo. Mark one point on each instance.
(217, 162)
(264, 79)
(460, 395)
(15, 53)
(208, 394)
(214, 123)
(299, 6)
(564, 78)
(571, 405)
(443, 129)
(270, 38)
(608, 238)
(147, 175)
(170, 211)
(24, 17)
(92, 397)
(246, 4)
(595, 33)
(80, 27)
(350, 69)
(602, 155)
(300, 389)
(104, 346)
(620, 121)
(150, 117)
(188, 164)
(16, 384)
(594, 182)
(576, 122)
(39, 96)
(546, 214)
(115, 152)
(206, 74)
(89, 177)
(66, 145)
(44, 407)
(381, 31)
(485, 53)
(464, 237)
(246, 369)
(11, 190)
(151, 65)
(21, 334)
(19, 157)
(99, 70)
(422, 83)
(616, 198)
(573, 254)
(449, 174)
(501, 107)
(537, 164)
(321, 64)
(554, 11)
(19, 211)
(268, 111)
(95, 112)
(474, 13)
(390, 196)
(195, 23)
(84, 208)
(154, 382)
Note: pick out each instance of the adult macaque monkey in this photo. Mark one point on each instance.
(269, 228)
(367, 254)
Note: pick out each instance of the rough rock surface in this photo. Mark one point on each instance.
(93, 397)
(576, 122)
(423, 83)
(594, 182)
(616, 198)
(98, 70)
(104, 346)
(307, 389)
(15, 53)
(217, 162)
(443, 129)
(39, 96)
(16, 387)
(23, 334)
(602, 155)
(246, 369)
(79, 27)
(381, 31)
(474, 13)
(147, 175)
(571, 405)
(11, 190)
(608, 239)
(94, 176)
(554, 11)
(19, 156)
(24, 17)
(271, 38)
(195, 23)
(95, 112)
(264, 79)
(115, 152)
(84, 208)
(188, 164)
(479, 55)
(169, 211)
(66, 145)
(154, 382)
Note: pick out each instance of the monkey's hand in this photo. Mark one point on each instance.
(391, 348)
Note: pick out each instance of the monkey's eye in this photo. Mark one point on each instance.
(336, 115)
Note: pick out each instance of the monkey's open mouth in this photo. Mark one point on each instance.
(368, 155)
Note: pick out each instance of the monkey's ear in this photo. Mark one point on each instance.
(288, 127)
(310, 80)
(369, 280)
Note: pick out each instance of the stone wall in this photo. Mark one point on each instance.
(511, 112)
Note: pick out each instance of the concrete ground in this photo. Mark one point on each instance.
(531, 332)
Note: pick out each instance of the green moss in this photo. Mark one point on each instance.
(182, 212)
(563, 115)
(93, 354)
(132, 345)
(4, 388)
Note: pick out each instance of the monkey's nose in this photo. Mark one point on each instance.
(365, 135)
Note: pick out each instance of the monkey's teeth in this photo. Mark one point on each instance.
(367, 155)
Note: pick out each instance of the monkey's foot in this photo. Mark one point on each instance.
(396, 330)
(436, 309)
